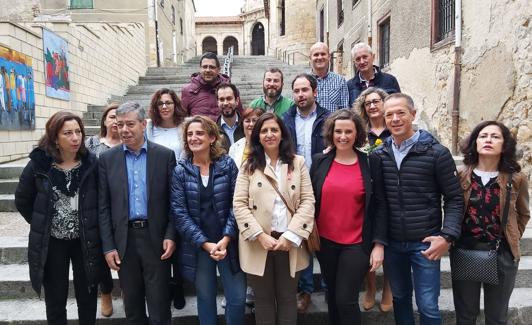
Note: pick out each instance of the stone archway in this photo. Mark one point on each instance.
(257, 39)
(209, 44)
(228, 42)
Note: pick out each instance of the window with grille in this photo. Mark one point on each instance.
(282, 18)
(384, 43)
(442, 20)
(81, 4)
(340, 9)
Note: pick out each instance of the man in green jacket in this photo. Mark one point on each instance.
(272, 100)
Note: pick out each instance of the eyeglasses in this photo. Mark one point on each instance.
(374, 102)
(162, 104)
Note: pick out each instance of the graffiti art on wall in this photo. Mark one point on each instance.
(17, 96)
(56, 66)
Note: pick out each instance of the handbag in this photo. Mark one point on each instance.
(479, 263)
(313, 240)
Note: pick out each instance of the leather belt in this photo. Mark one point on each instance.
(276, 234)
(138, 224)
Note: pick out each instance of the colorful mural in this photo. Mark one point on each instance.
(56, 66)
(17, 95)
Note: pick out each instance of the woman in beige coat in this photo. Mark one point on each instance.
(272, 228)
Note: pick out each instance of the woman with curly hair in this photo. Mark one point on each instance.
(492, 219)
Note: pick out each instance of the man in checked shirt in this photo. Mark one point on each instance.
(332, 88)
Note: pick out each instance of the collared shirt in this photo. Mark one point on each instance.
(230, 131)
(401, 151)
(279, 213)
(332, 92)
(136, 180)
(368, 83)
(279, 107)
(304, 135)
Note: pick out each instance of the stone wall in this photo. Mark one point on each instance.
(495, 71)
(300, 30)
(104, 59)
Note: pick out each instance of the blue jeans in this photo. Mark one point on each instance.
(403, 263)
(206, 288)
(306, 278)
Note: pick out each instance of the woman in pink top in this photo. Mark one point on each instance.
(352, 240)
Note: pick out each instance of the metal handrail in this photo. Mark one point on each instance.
(227, 62)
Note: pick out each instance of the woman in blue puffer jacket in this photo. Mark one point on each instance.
(201, 202)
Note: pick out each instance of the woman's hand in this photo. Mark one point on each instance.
(283, 244)
(217, 251)
(377, 257)
(267, 241)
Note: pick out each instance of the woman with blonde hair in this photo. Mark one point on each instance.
(274, 209)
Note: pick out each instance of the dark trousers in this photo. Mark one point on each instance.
(144, 280)
(275, 292)
(344, 268)
(55, 282)
(466, 294)
(106, 284)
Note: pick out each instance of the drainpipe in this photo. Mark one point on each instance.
(157, 50)
(457, 75)
(326, 22)
(369, 23)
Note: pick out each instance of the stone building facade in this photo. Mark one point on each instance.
(488, 56)
(217, 34)
(169, 32)
(103, 61)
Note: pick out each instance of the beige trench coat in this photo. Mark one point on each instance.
(253, 207)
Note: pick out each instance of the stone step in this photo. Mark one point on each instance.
(91, 122)
(7, 203)
(91, 130)
(32, 311)
(8, 186)
(13, 169)
(15, 282)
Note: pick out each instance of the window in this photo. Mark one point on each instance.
(340, 10)
(322, 25)
(384, 42)
(181, 25)
(442, 21)
(81, 4)
(173, 14)
(162, 3)
(282, 18)
(355, 2)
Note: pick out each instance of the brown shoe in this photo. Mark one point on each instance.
(386, 300)
(106, 307)
(303, 301)
(369, 300)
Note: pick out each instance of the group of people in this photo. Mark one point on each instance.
(207, 186)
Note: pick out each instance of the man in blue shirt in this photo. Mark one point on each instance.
(138, 238)
(332, 88)
(304, 120)
(229, 122)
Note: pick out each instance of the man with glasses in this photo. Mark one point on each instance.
(199, 96)
(368, 75)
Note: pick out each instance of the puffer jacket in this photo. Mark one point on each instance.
(185, 206)
(518, 214)
(33, 199)
(199, 97)
(414, 192)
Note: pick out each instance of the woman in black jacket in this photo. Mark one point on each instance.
(352, 240)
(58, 196)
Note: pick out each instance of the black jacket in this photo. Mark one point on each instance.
(33, 199)
(414, 192)
(382, 80)
(237, 135)
(375, 226)
(289, 119)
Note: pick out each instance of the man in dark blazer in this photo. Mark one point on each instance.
(137, 233)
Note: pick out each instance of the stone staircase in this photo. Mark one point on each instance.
(20, 305)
